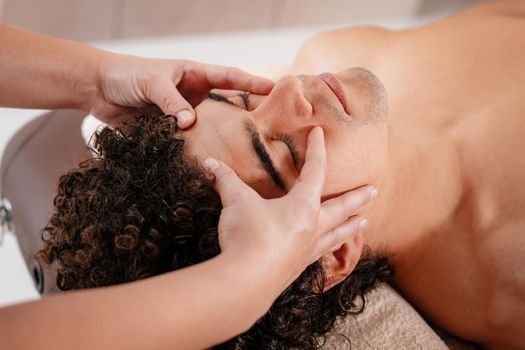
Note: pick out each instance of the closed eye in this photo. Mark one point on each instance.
(220, 98)
(287, 140)
(244, 98)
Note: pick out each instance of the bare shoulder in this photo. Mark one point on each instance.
(327, 50)
(361, 46)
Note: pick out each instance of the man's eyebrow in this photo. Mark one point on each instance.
(257, 145)
(263, 155)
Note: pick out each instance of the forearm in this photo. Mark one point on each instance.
(46, 73)
(193, 308)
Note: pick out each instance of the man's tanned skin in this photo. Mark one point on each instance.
(457, 90)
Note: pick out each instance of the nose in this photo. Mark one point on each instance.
(288, 94)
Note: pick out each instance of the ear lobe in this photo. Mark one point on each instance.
(341, 262)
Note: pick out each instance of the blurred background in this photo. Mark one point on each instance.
(87, 20)
(243, 33)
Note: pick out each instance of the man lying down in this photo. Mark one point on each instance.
(448, 159)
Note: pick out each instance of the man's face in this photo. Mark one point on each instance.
(263, 138)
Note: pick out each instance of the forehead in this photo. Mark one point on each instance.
(219, 132)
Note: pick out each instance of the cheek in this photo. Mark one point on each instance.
(340, 174)
(353, 160)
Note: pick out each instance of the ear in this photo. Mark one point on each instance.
(339, 263)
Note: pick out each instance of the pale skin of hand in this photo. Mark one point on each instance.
(174, 309)
(174, 85)
(48, 73)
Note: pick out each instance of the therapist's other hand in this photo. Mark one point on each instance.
(173, 85)
(296, 229)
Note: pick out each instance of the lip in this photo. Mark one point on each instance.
(337, 88)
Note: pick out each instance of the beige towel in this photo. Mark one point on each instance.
(388, 322)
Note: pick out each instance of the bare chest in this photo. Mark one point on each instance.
(470, 278)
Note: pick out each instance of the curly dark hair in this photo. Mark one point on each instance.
(141, 207)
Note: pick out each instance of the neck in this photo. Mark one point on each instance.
(418, 193)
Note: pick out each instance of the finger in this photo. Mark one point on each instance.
(311, 179)
(339, 235)
(229, 186)
(164, 94)
(336, 210)
(236, 79)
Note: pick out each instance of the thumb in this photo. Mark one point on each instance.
(229, 186)
(165, 95)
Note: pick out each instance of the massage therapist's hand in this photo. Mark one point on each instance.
(41, 72)
(296, 229)
(174, 85)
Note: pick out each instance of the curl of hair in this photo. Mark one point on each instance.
(141, 207)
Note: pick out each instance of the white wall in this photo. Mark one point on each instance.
(86, 20)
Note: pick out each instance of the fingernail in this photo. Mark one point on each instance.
(373, 193)
(211, 164)
(363, 224)
(184, 116)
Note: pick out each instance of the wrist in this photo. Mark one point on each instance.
(79, 72)
(91, 90)
(266, 273)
